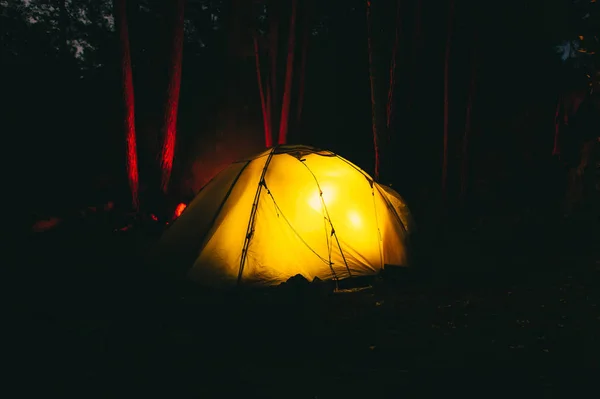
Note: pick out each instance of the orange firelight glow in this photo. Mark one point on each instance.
(179, 210)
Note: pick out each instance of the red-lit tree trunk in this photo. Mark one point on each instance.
(268, 106)
(446, 102)
(169, 131)
(263, 101)
(272, 93)
(128, 100)
(464, 169)
(289, 73)
(374, 100)
(568, 104)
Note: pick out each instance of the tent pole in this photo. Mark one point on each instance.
(252, 220)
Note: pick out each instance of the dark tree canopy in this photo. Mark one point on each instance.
(60, 99)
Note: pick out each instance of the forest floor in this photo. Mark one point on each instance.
(521, 318)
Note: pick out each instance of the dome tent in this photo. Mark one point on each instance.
(290, 210)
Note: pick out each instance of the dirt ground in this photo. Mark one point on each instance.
(516, 316)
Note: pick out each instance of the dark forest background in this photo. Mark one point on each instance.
(61, 111)
(503, 280)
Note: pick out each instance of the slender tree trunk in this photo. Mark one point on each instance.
(556, 147)
(416, 52)
(289, 73)
(302, 80)
(568, 104)
(390, 103)
(271, 75)
(446, 100)
(128, 101)
(172, 103)
(464, 170)
(418, 27)
(272, 93)
(269, 105)
(372, 80)
(263, 100)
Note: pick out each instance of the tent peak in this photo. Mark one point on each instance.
(299, 150)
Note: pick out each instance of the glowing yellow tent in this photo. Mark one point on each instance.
(289, 210)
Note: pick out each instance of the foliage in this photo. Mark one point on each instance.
(64, 106)
(581, 48)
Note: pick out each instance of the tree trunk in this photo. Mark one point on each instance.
(287, 94)
(568, 104)
(305, 40)
(128, 101)
(263, 101)
(556, 147)
(418, 29)
(172, 103)
(464, 170)
(268, 106)
(373, 82)
(390, 103)
(272, 93)
(446, 100)
(416, 52)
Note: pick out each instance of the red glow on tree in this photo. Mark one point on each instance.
(263, 103)
(45, 225)
(270, 111)
(277, 112)
(567, 106)
(128, 100)
(373, 96)
(273, 53)
(172, 103)
(179, 210)
(287, 94)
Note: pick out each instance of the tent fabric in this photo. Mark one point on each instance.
(290, 210)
